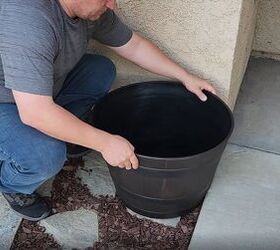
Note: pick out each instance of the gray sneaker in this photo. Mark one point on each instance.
(29, 206)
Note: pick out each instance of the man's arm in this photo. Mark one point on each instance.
(145, 54)
(41, 113)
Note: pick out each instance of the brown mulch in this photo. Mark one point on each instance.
(117, 228)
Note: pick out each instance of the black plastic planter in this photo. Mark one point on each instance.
(178, 140)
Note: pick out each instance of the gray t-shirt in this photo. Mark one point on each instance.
(40, 44)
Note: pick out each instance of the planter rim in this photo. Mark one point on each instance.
(182, 158)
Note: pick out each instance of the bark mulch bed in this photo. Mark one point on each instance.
(117, 228)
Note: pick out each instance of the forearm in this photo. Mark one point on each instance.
(61, 124)
(149, 57)
(145, 54)
(43, 114)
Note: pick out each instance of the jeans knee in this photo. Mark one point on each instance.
(56, 157)
(49, 159)
(111, 72)
(106, 70)
(33, 170)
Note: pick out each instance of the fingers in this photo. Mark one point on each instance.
(210, 88)
(134, 161)
(126, 164)
(200, 94)
(131, 163)
(119, 152)
(111, 4)
(123, 156)
(121, 165)
(131, 146)
(199, 91)
(197, 86)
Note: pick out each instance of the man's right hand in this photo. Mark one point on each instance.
(119, 152)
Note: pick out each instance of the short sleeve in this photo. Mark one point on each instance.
(110, 30)
(27, 49)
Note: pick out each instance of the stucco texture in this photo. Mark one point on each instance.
(204, 36)
(243, 47)
(267, 37)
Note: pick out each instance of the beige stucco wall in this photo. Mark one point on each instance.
(243, 47)
(267, 37)
(211, 38)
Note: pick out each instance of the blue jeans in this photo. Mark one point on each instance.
(28, 157)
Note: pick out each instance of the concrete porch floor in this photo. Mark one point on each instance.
(241, 210)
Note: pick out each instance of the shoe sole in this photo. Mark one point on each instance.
(43, 216)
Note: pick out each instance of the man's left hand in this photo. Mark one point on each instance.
(145, 54)
(196, 85)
